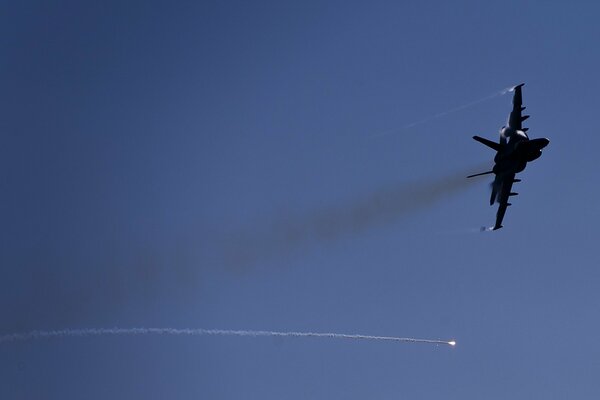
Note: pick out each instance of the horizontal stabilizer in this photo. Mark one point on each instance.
(524, 117)
(513, 194)
(481, 173)
(488, 143)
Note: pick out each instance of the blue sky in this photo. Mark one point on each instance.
(155, 155)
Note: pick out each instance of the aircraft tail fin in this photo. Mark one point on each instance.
(488, 143)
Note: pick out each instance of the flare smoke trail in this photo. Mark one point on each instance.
(444, 113)
(200, 332)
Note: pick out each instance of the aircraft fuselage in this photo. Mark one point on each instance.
(515, 155)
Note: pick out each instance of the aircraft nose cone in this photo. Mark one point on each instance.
(538, 144)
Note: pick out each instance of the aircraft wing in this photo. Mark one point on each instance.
(515, 119)
(503, 196)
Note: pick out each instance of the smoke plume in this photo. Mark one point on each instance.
(385, 206)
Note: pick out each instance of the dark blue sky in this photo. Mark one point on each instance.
(217, 165)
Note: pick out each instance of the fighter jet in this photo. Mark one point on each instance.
(513, 152)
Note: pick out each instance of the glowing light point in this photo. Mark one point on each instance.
(452, 343)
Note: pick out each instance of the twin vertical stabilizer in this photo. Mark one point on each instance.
(488, 143)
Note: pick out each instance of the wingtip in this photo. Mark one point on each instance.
(516, 86)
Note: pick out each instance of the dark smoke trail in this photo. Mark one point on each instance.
(384, 206)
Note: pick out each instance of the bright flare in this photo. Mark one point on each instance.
(452, 343)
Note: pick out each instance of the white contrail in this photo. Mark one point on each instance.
(198, 332)
(444, 113)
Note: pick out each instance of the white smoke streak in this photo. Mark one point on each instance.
(459, 231)
(444, 113)
(199, 332)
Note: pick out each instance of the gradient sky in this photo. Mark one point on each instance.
(203, 165)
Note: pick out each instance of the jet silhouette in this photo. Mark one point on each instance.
(513, 152)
